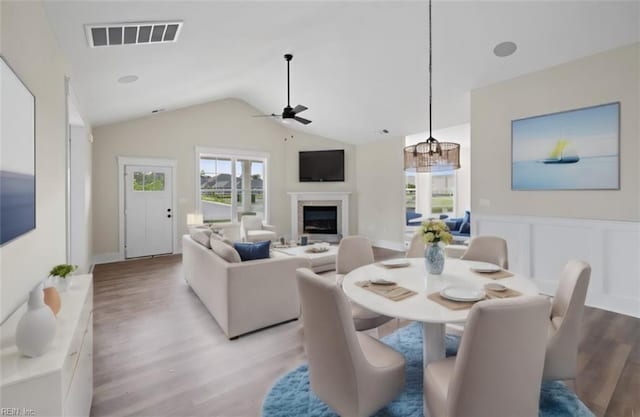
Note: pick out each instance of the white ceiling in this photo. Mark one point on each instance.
(359, 66)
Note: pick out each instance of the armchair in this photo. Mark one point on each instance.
(253, 229)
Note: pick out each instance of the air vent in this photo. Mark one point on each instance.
(142, 33)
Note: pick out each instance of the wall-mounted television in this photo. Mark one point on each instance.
(321, 166)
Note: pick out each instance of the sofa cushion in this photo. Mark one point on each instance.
(202, 236)
(220, 238)
(253, 251)
(260, 235)
(465, 228)
(454, 224)
(226, 252)
(467, 217)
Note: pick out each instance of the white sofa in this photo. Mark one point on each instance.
(243, 296)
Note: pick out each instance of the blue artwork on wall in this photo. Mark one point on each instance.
(571, 150)
(17, 156)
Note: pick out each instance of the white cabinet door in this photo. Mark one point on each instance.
(148, 210)
(80, 395)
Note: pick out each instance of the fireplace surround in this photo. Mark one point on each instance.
(323, 211)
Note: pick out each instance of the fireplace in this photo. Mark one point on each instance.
(312, 207)
(320, 220)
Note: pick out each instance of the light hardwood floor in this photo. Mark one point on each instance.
(158, 352)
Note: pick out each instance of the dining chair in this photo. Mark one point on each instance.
(498, 369)
(565, 322)
(354, 252)
(351, 372)
(416, 246)
(490, 249)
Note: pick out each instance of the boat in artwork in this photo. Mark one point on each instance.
(561, 154)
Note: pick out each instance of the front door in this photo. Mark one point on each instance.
(148, 210)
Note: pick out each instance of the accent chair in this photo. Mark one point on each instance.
(253, 229)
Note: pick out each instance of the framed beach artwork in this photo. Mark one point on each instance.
(17, 157)
(571, 150)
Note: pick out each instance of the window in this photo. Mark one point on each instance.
(429, 195)
(231, 186)
(442, 192)
(410, 192)
(148, 181)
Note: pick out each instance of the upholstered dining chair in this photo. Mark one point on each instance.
(565, 321)
(253, 229)
(416, 246)
(354, 252)
(350, 371)
(498, 369)
(490, 249)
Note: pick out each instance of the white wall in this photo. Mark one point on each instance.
(80, 191)
(29, 46)
(547, 228)
(175, 135)
(380, 192)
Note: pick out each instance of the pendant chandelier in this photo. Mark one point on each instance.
(431, 155)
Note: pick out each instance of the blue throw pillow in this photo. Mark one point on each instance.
(467, 217)
(465, 228)
(453, 224)
(253, 251)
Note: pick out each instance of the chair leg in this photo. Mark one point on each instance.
(372, 332)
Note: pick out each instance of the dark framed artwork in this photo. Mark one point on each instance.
(570, 150)
(17, 157)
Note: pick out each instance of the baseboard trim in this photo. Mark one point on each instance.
(389, 244)
(106, 258)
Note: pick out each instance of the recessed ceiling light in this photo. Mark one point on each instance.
(127, 79)
(504, 49)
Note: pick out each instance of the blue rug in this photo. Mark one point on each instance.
(291, 395)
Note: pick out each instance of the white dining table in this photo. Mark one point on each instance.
(432, 315)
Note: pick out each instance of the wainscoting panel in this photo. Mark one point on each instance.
(539, 247)
(623, 279)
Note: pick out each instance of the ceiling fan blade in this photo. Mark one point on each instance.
(301, 120)
(299, 108)
(266, 115)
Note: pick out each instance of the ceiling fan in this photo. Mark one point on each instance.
(289, 113)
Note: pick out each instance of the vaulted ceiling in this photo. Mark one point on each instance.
(360, 67)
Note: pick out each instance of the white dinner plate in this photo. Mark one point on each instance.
(395, 263)
(494, 286)
(484, 267)
(462, 294)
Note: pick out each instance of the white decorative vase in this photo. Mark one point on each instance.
(37, 328)
(63, 284)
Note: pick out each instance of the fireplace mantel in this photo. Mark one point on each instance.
(318, 197)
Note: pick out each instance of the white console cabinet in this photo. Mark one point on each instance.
(60, 382)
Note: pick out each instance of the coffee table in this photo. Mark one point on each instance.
(320, 262)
